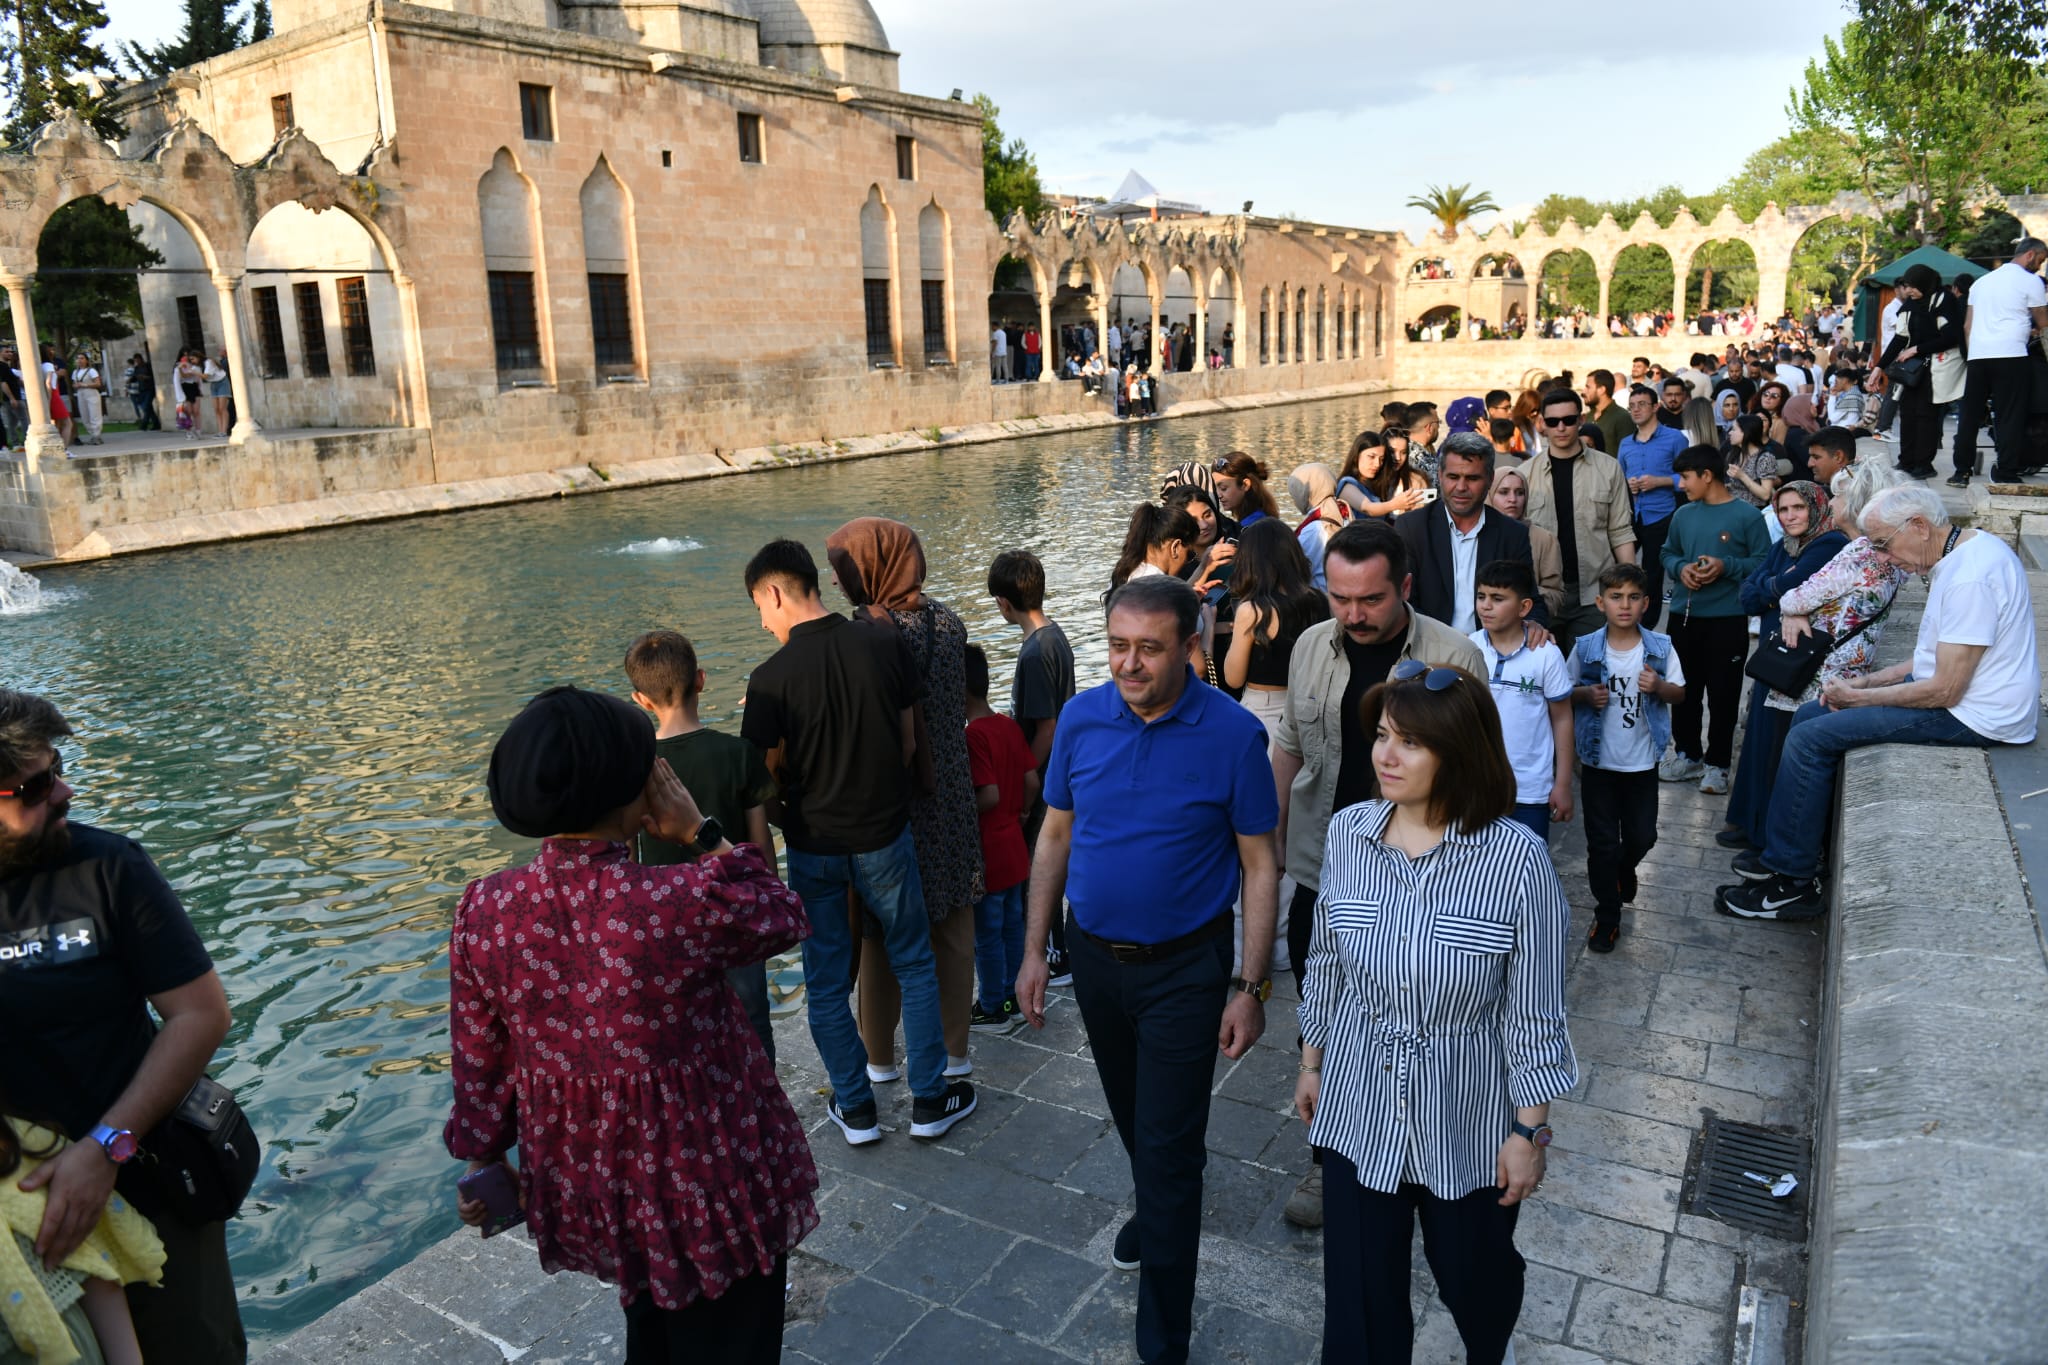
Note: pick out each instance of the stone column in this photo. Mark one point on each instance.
(1153, 296)
(1606, 278)
(1048, 347)
(1678, 294)
(246, 425)
(1202, 330)
(1102, 326)
(43, 437)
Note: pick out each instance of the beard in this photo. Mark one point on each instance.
(25, 853)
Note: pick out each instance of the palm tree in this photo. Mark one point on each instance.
(1451, 205)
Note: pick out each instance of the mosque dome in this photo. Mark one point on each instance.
(820, 23)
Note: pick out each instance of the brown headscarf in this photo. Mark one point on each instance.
(879, 563)
(1820, 517)
(1800, 412)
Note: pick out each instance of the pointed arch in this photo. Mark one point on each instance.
(515, 268)
(935, 283)
(610, 263)
(878, 279)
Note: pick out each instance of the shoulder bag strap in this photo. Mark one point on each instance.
(1866, 625)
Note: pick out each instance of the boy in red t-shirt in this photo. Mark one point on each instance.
(1005, 779)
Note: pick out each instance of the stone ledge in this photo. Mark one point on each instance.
(1931, 1146)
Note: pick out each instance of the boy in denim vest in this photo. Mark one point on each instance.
(1626, 677)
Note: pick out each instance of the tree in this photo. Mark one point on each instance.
(1009, 173)
(89, 234)
(211, 28)
(1451, 205)
(46, 51)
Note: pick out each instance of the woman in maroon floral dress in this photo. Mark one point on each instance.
(594, 1029)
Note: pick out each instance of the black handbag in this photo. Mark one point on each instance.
(204, 1157)
(1790, 669)
(1908, 374)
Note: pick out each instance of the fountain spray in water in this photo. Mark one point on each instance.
(19, 592)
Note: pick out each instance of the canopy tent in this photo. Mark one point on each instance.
(1134, 198)
(1877, 286)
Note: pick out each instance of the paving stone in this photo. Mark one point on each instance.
(1711, 1230)
(1263, 1078)
(1626, 1325)
(1769, 1074)
(381, 1325)
(861, 1320)
(1034, 1289)
(1693, 1007)
(1243, 1131)
(860, 1221)
(1611, 991)
(1045, 1142)
(1585, 1244)
(1552, 1353)
(1584, 1129)
(1613, 1190)
(1701, 1274)
(947, 1336)
(1005, 1063)
(1794, 969)
(942, 1257)
(1770, 1022)
(1235, 1196)
(1638, 1049)
(1105, 1330)
(1068, 1081)
(1547, 1295)
(1103, 1171)
(1668, 1099)
(1227, 1334)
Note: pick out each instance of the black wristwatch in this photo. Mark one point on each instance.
(1257, 990)
(1540, 1135)
(709, 836)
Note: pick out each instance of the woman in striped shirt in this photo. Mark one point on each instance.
(1432, 1020)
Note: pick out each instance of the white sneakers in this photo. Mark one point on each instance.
(1714, 781)
(1679, 768)
(882, 1075)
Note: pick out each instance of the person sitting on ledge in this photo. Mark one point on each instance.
(657, 1150)
(1974, 681)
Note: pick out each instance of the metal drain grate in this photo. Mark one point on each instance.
(1722, 1190)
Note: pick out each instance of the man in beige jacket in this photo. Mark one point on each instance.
(1580, 496)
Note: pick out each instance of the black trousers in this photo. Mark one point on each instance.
(1578, 618)
(1650, 555)
(1152, 1027)
(2007, 384)
(1920, 430)
(742, 1326)
(193, 1317)
(1713, 650)
(1620, 811)
(1367, 1236)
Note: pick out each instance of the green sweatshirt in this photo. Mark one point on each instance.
(1731, 531)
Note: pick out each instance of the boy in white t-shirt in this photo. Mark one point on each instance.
(1626, 677)
(1532, 692)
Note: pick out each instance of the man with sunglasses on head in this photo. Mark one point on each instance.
(92, 938)
(1580, 496)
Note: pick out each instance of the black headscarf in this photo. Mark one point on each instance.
(568, 760)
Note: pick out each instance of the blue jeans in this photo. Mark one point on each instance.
(998, 946)
(1803, 799)
(1534, 814)
(891, 892)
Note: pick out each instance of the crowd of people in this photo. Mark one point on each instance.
(1343, 731)
(77, 395)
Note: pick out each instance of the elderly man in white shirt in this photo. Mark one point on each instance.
(2008, 309)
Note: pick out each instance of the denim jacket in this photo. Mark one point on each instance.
(1589, 669)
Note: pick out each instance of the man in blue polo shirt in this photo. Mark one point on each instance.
(1646, 456)
(1157, 790)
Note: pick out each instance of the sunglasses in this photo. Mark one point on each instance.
(1570, 421)
(36, 790)
(1435, 679)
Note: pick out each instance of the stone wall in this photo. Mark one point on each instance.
(1476, 366)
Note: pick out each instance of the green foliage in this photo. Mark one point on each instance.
(1009, 173)
(46, 50)
(1986, 238)
(211, 28)
(89, 233)
(1723, 275)
(1452, 205)
(1642, 281)
(1566, 280)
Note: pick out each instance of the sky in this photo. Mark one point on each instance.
(1340, 112)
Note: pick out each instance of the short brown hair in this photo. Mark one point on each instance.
(662, 666)
(30, 727)
(1460, 725)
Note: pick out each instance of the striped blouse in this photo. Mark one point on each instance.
(1435, 988)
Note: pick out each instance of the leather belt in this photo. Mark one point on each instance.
(1152, 952)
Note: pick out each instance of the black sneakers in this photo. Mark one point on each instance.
(861, 1125)
(1749, 865)
(1124, 1255)
(932, 1118)
(1780, 898)
(1060, 974)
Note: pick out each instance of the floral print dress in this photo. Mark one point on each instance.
(1850, 589)
(943, 822)
(593, 1027)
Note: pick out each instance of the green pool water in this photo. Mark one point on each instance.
(297, 729)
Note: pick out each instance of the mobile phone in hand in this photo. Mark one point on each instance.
(495, 1188)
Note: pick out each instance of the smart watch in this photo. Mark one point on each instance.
(1540, 1135)
(1257, 990)
(710, 835)
(119, 1144)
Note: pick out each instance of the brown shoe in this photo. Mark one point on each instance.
(1305, 1206)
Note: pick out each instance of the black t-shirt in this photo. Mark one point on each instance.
(834, 698)
(1045, 679)
(1370, 665)
(1567, 523)
(84, 942)
(725, 776)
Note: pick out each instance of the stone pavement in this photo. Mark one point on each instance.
(993, 1243)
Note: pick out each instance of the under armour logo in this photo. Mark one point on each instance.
(81, 939)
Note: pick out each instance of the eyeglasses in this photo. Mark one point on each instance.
(1570, 421)
(34, 791)
(1878, 545)
(1435, 679)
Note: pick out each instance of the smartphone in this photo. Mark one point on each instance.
(499, 1193)
(1428, 496)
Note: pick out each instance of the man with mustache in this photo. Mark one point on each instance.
(91, 939)
(1322, 759)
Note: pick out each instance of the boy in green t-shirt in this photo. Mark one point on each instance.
(725, 775)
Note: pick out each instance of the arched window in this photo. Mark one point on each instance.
(877, 259)
(1322, 312)
(1354, 326)
(1300, 324)
(1280, 328)
(1337, 326)
(608, 263)
(1266, 325)
(932, 257)
(512, 256)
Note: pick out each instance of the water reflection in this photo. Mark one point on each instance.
(298, 730)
